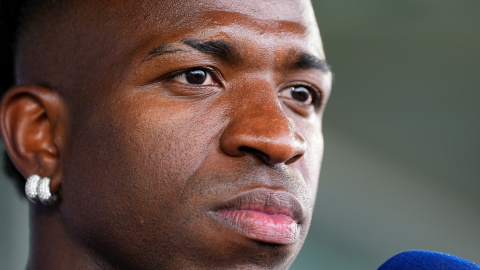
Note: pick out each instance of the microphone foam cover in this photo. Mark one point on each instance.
(428, 260)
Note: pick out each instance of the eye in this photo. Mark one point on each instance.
(196, 76)
(300, 94)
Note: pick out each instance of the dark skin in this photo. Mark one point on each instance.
(149, 115)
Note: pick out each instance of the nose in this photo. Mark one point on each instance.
(260, 128)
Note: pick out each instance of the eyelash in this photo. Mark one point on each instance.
(211, 74)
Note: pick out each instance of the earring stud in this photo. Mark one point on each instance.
(31, 187)
(44, 194)
(38, 189)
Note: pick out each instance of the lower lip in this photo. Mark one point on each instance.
(275, 229)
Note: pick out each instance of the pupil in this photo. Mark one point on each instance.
(196, 76)
(300, 94)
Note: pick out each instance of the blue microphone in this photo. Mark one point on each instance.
(427, 260)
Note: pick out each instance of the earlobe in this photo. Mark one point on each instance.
(32, 123)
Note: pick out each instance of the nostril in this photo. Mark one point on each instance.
(266, 158)
(252, 151)
(293, 159)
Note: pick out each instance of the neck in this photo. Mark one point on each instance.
(52, 247)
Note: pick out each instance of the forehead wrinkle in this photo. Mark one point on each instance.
(255, 23)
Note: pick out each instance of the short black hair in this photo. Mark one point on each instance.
(10, 20)
(13, 15)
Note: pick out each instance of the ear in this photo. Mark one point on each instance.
(33, 124)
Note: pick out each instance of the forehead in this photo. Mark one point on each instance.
(182, 11)
(170, 19)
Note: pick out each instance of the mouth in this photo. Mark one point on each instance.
(263, 215)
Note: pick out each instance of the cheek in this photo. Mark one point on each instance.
(127, 168)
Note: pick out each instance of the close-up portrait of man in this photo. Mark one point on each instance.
(166, 134)
(175, 134)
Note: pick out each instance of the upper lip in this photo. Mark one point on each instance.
(268, 201)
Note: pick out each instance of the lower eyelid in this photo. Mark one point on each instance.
(299, 108)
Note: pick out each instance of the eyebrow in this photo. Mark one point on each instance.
(229, 53)
(223, 50)
(309, 61)
(217, 48)
(160, 50)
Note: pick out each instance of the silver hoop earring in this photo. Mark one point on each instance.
(44, 193)
(31, 188)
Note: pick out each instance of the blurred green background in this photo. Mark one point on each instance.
(402, 133)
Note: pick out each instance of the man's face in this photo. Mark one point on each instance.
(195, 138)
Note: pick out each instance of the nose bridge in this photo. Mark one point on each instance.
(259, 127)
